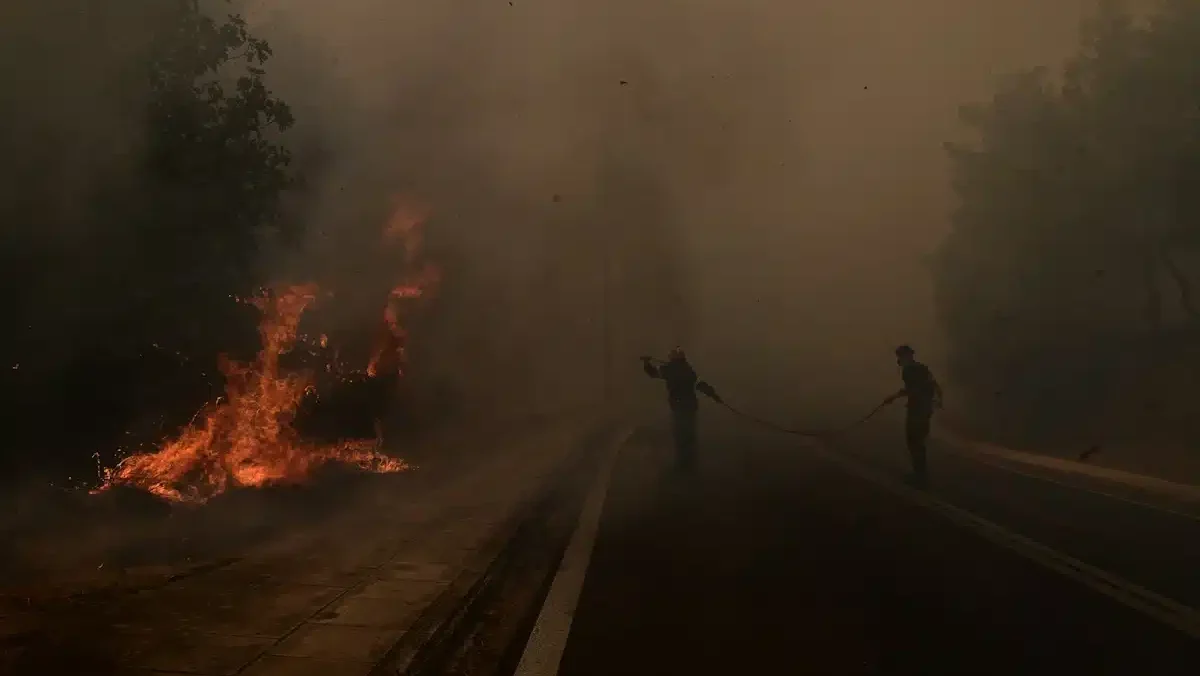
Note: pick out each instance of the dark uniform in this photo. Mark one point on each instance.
(682, 384)
(921, 390)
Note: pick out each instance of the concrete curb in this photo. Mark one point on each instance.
(1169, 489)
(440, 621)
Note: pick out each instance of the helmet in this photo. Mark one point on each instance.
(676, 353)
(905, 351)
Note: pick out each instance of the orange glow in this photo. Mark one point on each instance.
(247, 438)
(390, 352)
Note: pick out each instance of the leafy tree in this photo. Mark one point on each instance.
(164, 244)
(1075, 235)
(216, 167)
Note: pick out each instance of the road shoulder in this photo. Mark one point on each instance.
(1143, 484)
(334, 603)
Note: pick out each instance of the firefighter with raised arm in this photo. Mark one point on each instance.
(682, 385)
(923, 394)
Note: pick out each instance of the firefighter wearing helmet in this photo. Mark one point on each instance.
(923, 394)
(682, 385)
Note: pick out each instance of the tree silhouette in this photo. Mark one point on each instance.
(1075, 235)
(144, 266)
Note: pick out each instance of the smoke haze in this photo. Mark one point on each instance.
(766, 177)
(788, 158)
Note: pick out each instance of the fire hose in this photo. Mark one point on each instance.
(711, 393)
(804, 433)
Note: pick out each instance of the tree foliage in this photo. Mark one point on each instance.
(213, 159)
(1077, 228)
(112, 300)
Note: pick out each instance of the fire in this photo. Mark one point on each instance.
(247, 438)
(390, 350)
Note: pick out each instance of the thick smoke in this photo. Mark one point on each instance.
(758, 181)
(767, 178)
(763, 179)
(546, 143)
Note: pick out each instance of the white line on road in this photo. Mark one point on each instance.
(544, 650)
(1112, 496)
(1179, 491)
(1165, 610)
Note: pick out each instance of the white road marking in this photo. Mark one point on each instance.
(1165, 610)
(544, 650)
(1179, 491)
(1112, 496)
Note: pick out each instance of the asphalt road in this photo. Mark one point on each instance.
(773, 559)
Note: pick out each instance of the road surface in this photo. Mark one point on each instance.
(776, 558)
(330, 593)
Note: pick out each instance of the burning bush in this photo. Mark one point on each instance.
(248, 437)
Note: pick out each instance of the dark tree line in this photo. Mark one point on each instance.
(1076, 237)
(119, 301)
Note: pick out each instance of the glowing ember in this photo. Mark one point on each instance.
(248, 439)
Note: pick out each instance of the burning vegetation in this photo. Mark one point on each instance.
(248, 437)
(403, 229)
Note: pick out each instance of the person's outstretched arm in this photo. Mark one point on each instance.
(650, 369)
(708, 391)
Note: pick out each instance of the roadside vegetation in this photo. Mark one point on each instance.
(1067, 286)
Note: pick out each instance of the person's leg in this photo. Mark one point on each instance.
(916, 432)
(693, 441)
(677, 434)
(685, 446)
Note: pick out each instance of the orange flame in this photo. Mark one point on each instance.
(248, 439)
(404, 225)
